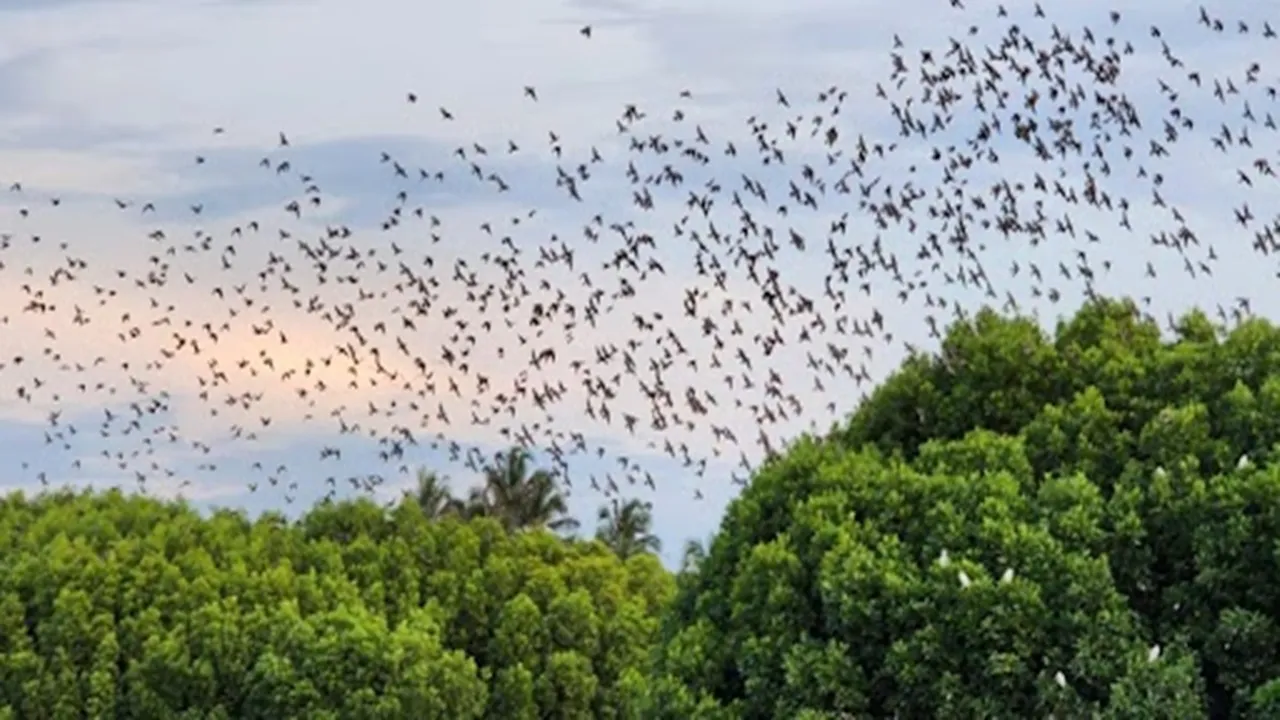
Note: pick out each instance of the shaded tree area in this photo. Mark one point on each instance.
(1075, 524)
(115, 606)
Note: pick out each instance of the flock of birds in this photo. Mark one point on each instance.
(716, 285)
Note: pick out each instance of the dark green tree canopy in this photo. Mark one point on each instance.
(1019, 525)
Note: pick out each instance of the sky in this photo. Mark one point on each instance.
(108, 100)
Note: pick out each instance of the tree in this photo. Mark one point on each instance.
(625, 527)
(123, 606)
(432, 494)
(694, 552)
(1081, 524)
(521, 499)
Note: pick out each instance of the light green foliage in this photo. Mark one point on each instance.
(123, 607)
(1102, 490)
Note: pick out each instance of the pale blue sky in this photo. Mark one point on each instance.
(108, 99)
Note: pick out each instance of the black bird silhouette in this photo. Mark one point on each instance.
(759, 280)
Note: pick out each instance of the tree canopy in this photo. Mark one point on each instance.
(1081, 524)
(125, 607)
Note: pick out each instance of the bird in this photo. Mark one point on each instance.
(668, 305)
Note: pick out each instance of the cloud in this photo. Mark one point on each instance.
(108, 101)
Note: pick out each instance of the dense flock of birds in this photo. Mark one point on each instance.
(714, 286)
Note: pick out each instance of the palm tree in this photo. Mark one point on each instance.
(625, 527)
(519, 498)
(433, 496)
(694, 553)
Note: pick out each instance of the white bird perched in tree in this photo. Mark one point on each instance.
(1154, 653)
(964, 579)
(1007, 576)
(1061, 679)
(1243, 462)
(943, 558)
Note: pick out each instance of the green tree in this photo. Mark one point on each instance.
(432, 494)
(1010, 527)
(626, 527)
(520, 497)
(123, 606)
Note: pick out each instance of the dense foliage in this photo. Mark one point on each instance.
(1076, 525)
(124, 607)
(1081, 525)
